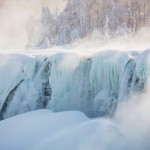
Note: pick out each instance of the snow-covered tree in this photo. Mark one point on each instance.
(80, 18)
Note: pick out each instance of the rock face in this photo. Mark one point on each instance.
(68, 81)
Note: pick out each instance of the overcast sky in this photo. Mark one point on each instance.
(14, 15)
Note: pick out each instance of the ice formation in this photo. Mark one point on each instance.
(64, 81)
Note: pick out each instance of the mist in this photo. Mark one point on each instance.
(133, 117)
(14, 16)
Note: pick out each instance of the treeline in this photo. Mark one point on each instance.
(80, 18)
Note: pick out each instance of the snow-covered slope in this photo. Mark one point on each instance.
(93, 84)
(44, 130)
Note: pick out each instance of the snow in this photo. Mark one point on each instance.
(45, 130)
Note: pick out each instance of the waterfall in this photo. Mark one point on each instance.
(93, 84)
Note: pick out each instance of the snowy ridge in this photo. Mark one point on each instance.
(70, 81)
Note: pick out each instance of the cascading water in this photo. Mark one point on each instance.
(68, 81)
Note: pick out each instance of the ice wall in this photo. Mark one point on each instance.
(92, 84)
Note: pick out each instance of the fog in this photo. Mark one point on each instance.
(133, 117)
(14, 16)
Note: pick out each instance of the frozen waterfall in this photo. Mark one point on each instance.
(93, 84)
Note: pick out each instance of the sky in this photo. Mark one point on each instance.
(14, 15)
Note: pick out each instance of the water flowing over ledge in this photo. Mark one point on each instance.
(92, 84)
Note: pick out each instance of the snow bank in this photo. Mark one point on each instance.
(44, 130)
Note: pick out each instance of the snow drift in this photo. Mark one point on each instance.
(44, 130)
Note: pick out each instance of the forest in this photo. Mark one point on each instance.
(100, 19)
